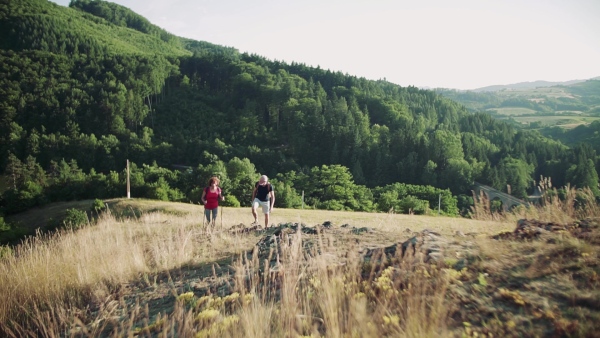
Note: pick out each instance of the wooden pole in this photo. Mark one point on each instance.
(128, 186)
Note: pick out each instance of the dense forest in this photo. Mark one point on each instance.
(86, 88)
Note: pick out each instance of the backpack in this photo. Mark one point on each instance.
(269, 186)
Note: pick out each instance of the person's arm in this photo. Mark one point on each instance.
(202, 199)
(254, 192)
(221, 194)
(272, 199)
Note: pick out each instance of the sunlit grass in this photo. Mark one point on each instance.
(72, 269)
(69, 283)
(576, 204)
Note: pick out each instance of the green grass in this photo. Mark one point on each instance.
(513, 111)
(570, 112)
(38, 217)
(562, 121)
(536, 92)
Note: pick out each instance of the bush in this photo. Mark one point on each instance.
(3, 225)
(11, 233)
(75, 219)
(195, 194)
(230, 201)
(53, 224)
(98, 205)
(411, 204)
(5, 251)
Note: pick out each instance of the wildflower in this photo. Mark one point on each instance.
(391, 320)
(186, 298)
(230, 320)
(207, 315)
(232, 297)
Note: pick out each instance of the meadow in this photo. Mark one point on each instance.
(568, 122)
(528, 116)
(153, 269)
(554, 91)
(513, 111)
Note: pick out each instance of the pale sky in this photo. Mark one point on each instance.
(462, 44)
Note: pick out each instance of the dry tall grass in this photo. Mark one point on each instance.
(575, 204)
(65, 284)
(62, 273)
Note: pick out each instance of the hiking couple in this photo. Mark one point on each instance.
(263, 195)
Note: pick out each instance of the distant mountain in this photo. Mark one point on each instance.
(529, 85)
(568, 106)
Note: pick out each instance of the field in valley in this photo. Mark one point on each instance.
(555, 92)
(524, 116)
(153, 268)
(561, 121)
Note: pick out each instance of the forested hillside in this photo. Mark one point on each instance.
(85, 88)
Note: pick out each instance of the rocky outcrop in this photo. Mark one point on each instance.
(532, 229)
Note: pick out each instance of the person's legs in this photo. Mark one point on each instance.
(207, 215)
(265, 209)
(255, 204)
(214, 215)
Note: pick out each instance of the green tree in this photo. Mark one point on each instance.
(242, 177)
(583, 174)
(518, 175)
(331, 183)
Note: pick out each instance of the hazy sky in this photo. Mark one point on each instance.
(462, 44)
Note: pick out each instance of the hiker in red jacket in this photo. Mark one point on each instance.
(210, 198)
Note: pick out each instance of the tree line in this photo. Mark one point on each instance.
(324, 187)
(132, 91)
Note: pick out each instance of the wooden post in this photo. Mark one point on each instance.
(128, 187)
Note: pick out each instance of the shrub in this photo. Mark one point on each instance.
(196, 193)
(75, 218)
(5, 251)
(230, 201)
(10, 233)
(3, 225)
(98, 205)
(411, 204)
(53, 224)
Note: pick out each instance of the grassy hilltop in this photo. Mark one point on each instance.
(150, 268)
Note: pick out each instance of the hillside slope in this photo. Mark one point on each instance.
(527, 85)
(158, 270)
(46, 26)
